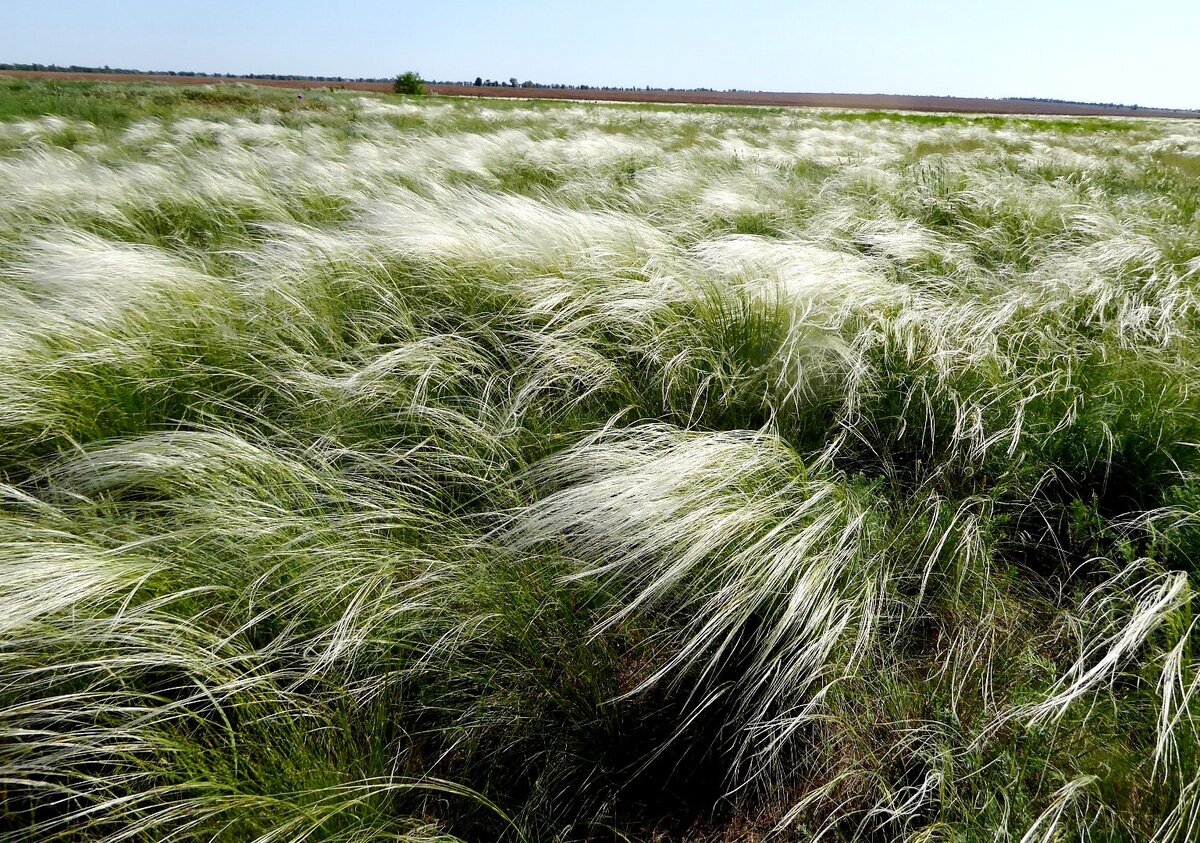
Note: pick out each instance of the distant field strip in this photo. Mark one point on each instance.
(382, 469)
(970, 105)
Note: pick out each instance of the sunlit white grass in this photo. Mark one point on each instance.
(803, 269)
(509, 234)
(192, 129)
(1121, 614)
(713, 530)
(1042, 154)
(870, 145)
(47, 573)
(143, 132)
(70, 278)
(526, 344)
(57, 183)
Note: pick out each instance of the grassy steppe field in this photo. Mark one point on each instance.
(381, 469)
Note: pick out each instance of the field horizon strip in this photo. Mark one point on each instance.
(422, 469)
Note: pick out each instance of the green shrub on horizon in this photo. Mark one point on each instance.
(409, 82)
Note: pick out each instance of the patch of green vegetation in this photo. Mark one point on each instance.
(526, 177)
(427, 470)
(108, 105)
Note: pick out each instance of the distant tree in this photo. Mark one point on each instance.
(478, 81)
(512, 81)
(409, 83)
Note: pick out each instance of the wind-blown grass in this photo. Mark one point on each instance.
(382, 470)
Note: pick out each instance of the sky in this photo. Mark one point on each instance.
(1089, 50)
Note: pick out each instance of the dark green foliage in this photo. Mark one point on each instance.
(410, 83)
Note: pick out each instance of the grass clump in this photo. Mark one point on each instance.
(393, 469)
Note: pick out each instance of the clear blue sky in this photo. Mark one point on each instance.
(1095, 50)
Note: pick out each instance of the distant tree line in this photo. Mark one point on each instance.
(1134, 107)
(286, 77)
(479, 82)
(512, 82)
